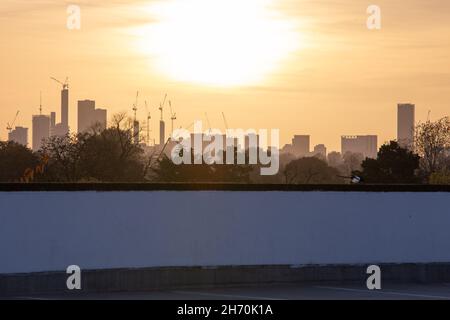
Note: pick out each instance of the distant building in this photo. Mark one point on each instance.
(59, 129)
(65, 109)
(366, 145)
(41, 130)
(162, 133)
(405, 125)
(62, 128)
(52, 120)
(320, 151)
(101, 118)
(19, 135)
(300, 146)
(88, 116)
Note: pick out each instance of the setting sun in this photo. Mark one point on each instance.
(218, 42)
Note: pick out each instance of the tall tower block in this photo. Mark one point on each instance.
(405, 124)
(162, 133)
(65, 108)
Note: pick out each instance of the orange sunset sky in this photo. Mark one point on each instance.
(303, 66)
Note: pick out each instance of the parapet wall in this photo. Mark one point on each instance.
(48, 231)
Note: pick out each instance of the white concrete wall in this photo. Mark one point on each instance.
(48, 231)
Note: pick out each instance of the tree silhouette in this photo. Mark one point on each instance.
(394, 164)
(14, 160)
(311, 171)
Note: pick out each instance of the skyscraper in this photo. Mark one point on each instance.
(162, 133)
(19, 135)
(88, 116)
(405, 124)
(100, 118)
(301, 145)
(65, 108)
(41, 130)
(366, 145)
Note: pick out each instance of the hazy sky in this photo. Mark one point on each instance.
(303, 66)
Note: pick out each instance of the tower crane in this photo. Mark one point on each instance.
(40, 103)
(225, 121)
(161, 107)
(149, 117)
(209, 123)
(9, 127)
(65, 84)
(173, 116)
(135, 106)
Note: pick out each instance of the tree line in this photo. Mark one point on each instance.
(111, 155)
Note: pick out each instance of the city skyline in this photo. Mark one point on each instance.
(45, 126)
(341, 79)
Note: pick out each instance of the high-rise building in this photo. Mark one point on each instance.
(65, 108)
(62, 128)
(162, 133)
(100, 118)
(59, 130)
(299, 148)
(366, 145)
(405, 124)
(41, 130)
(88, 116)
(52, 119)
(301, 145)
(19, 135)
(320, 151)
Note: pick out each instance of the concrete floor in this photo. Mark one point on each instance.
(274, 292)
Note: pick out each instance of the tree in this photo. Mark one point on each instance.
(353, 161)
(311, 171)
(14, 160)
(166, 171)
(109, 155)
(64, 154)
(279, 178)
(394, 164)
(432, 139)
(335, 159)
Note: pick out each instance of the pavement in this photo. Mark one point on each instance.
(322, 291)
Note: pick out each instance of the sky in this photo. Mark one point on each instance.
(301, 66)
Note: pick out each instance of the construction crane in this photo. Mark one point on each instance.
(135, 121)
(40, 103)
(161, 107)
(9, 127)
(225, 121)
(173, 116)
(209, 123)
(149, 117)
(65, 85)
(135, 106)
(188, 127)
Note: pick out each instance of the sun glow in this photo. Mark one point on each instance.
(218, 42)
